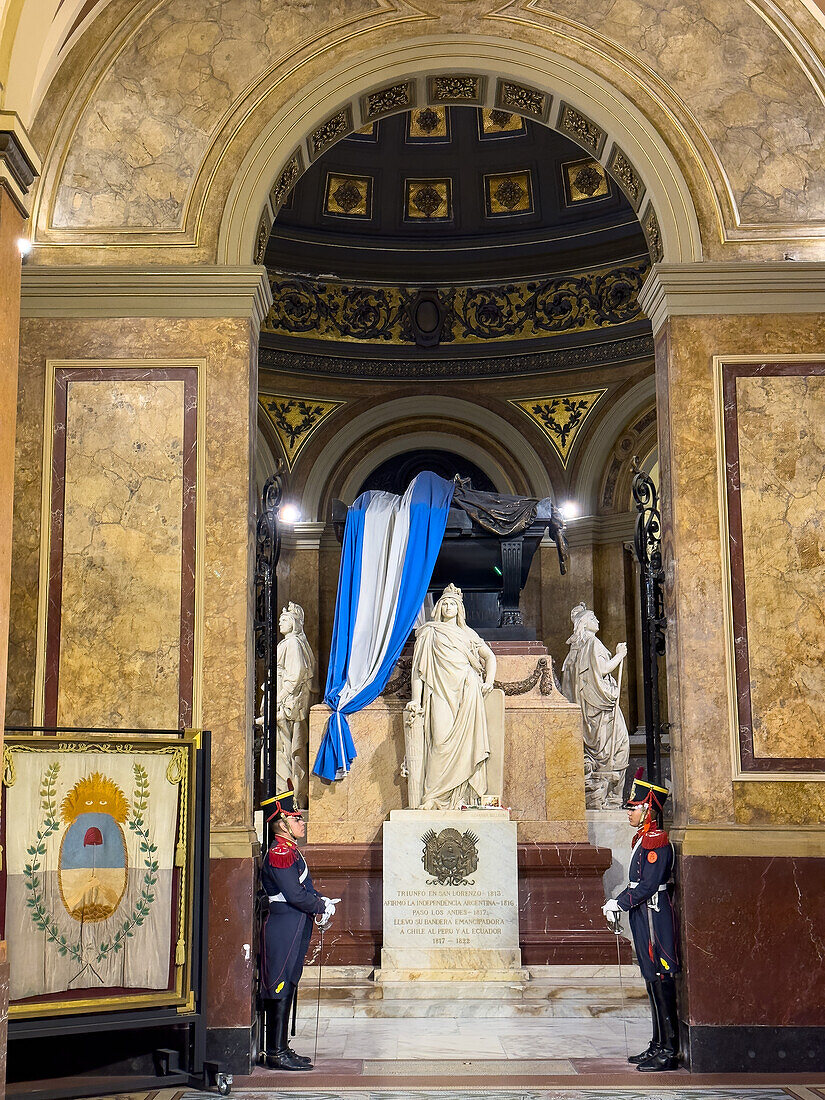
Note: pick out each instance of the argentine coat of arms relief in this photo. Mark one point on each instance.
(449, 857)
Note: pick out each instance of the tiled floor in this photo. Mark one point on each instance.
(556, 1093)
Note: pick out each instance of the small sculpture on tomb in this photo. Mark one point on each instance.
(445, 722)
(295, 668)
(587, 680)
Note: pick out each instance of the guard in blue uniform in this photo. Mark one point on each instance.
(293, 903)
(652, 921)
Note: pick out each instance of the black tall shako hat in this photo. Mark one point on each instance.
(283, 806)
(644, 793)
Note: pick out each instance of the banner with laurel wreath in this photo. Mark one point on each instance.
(95, 849)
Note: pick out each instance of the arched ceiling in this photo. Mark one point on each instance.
(454, 194)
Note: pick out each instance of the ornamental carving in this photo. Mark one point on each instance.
(650, 226)
(560, 417)
(323, 310)
(397, 97)
(287, 180)
(581, 129)
(261, 237)
(627, 349)
(327, 134)
(527, 101)
(620, 167)
(295, 419)
(543, 675)
(455, 89)
(450, 857)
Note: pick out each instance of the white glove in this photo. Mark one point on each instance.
(328, 913)
(611, 906)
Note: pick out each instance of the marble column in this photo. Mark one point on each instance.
(184, 344)
(741, 408)
(19, 167)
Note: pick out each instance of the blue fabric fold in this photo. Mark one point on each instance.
(429, 505)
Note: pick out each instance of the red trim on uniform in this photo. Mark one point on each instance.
(656, 838)
(283, 853)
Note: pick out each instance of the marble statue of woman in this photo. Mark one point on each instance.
(586, 680)
(446, 723)
(295, 667)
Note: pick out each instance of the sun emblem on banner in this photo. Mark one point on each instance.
(92, 866)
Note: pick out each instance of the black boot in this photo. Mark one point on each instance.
(278, 1054)
(291, 1015)
(667, 1056)
(653, 1045)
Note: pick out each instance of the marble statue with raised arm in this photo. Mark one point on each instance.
(445, 721)
(586, 680)
(295, 668)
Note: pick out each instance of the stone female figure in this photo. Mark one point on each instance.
(295, 668)
(452, 670)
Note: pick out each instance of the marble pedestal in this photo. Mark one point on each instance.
(450, 900)
(609, 829)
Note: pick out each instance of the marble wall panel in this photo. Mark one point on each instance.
(775, 428)
(228, 347)
(700, 683)
(118, 638)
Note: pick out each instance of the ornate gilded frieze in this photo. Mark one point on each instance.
(324, 310)
(523, 99)
(428, 124)
(456, 89)
(497, 122)
(508, 194)
(295, 419)
(289, 176)
(348, 196)
(581, 129)
(584, 181)
(560, 417)
(428, 200)
(262, 236)
(622, 170)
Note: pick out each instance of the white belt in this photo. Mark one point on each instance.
(633, 885)
(301, 877)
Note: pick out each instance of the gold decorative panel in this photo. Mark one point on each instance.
(581, 129)
(289, 176)
(456, 89)
(296, 419)
(511, 193)
(335, 128)
(584, 181)
(428, 124)
(397, 97)
(650, 226)
(348, 196)
(622, 170)
(560, 417)
(520, 97)
(774, 426)
(497, 121)
(262, 236)
(428, 200)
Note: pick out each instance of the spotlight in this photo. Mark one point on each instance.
(24, 247)
(290, 514)
(570, 509)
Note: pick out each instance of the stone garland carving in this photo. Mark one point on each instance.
(517, 97)
(395, 98)
(516, 311)
(543, 674)
(583, 131)
(586, 355)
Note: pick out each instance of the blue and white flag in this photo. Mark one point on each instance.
(390, 548)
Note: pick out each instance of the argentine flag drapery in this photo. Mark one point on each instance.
(390, 547)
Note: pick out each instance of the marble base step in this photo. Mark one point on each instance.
(552, 991)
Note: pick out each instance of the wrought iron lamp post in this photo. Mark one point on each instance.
(267, 553)
(648, 549)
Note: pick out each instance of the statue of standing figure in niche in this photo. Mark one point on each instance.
(295, 668)
(445, 722)
(586, 680)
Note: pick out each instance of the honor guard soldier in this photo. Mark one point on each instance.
(293, 902)
(652, 922)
